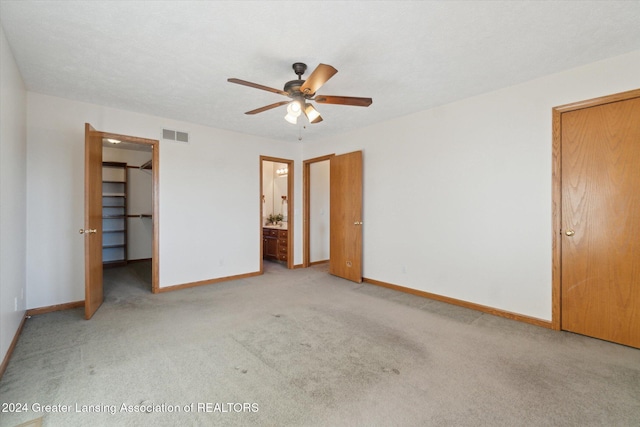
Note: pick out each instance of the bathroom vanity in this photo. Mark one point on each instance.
(274, 243)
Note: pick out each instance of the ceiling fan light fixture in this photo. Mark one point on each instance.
(293, 119)
(312, 114)
(294, 108)
(293, 112)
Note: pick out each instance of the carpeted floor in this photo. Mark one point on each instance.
(301, 347)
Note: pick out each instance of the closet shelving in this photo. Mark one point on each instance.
(114, 214)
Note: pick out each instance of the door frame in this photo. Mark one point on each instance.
(290, 218)
(155, 174)
(306, 208)
(556, 205)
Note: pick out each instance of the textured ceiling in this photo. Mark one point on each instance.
(173, 58)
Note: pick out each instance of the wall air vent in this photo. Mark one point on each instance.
(175, 136)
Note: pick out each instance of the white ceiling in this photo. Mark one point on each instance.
(172, 58)
(124, 145)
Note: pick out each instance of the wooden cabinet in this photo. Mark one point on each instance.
(283, 243)
(270, 244)
(275, 244)
(114, 213)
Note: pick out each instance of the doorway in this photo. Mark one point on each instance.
(596, 206)
(345, 214)
(276, 211)
(97, 210)
(316, 210)
(127, 205)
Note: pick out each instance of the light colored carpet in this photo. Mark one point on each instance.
(309, 349)
(33, 423)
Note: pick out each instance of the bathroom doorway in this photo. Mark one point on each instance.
(276, 211)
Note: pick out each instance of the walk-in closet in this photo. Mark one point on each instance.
(127, 221)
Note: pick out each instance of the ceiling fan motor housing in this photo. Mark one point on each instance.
(292, 87)
(299, 68)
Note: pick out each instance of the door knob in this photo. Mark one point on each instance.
(89, 231)
(569, 232)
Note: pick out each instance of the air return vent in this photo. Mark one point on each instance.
(175, 136)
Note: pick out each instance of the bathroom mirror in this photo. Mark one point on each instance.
(274, 189)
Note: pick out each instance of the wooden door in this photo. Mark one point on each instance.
(271, 250)
(345, 223)
(92, 220)
(600, 271)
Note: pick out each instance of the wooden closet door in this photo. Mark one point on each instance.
(93, 295)
(345, 223)
(601, 222)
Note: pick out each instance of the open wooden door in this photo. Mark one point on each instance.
(346, 216)
(92, 220)
(600, 221)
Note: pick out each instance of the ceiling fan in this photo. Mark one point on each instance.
(302, 91)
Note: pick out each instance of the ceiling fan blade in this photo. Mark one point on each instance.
(257, 86)
(267, 107)
(343, 100)
(312, 114)
(320, 75)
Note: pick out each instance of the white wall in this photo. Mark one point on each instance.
(13, 206)
(457, 199)
(466, 212)
(209, 197)
(319, 211)
(139, 200)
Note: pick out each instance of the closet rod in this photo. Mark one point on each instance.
(145, 165)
